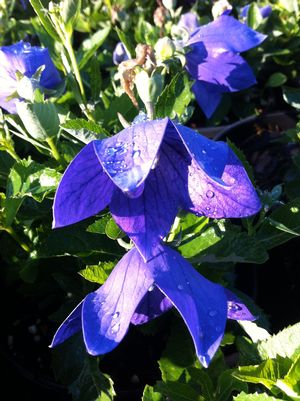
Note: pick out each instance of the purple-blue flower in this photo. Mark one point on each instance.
(189, 21)
(146, 173)
(26, 59)
(213, 60)
(119, 53)
(137, 291)
(265, 12)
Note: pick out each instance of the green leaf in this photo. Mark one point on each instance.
(84, 130)
(203, 380)
(98, 227)
(292, 96)
(89, 46)
(178, 391)
(69, 11)
(287, 217)
(254, 17)
(127, 41)
(150, 395)
(290, 384)
(28, 178)
(40, 119)
(255, 397)
(112, 230)
(39, 9)
(276, 79)
(286, 344)
(175, 97)
(255, 332)
(216, 244)
(227, 384)
(76, 242)
(8, 210)
(174, 358)
(97, 273)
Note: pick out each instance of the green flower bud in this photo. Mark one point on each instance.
(164, 49)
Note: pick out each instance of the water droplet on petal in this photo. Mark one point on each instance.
(114, 329)
(151, 288)
(210, 194)
(136, 154)
(233, 307)
(116, 315)
(204, 152)
(180, 287)
(207, 208)
(102, 303)
(212, 313)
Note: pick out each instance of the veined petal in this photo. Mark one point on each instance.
(106, 313)
(128, 156)
(147, 219)
(227, 33)
(227, 71)
(208, 96)
(232, 196)
(201, 303)
(210, 155)
(236, 309)
(153, 304)
(70, 326)
(84, 190)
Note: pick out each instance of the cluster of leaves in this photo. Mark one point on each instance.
(43, 264)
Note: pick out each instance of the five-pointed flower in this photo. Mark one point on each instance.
(26, 59)
(214, 62)
(137, 291)
(146, 173)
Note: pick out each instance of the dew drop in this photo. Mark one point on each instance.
(210, 194)
(204, 152)
(116, 315)
(207, 208)
(212, 313)
(114, 329)
(233, 307)
(136, 154)
(151, 288)
(180, 287)
(102, 303)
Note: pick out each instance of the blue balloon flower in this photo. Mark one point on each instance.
(26, 59)
(214, 62)
(146, 173)
(137, 291)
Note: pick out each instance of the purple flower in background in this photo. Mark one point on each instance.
(119, 53)
(146, 173)
(265, 12)
(26, 59)
(136, 292)
(213, 60)
(189, 21)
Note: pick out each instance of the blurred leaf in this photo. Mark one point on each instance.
(286, 344)
(255, 397)
(127, 40)
(254, 17)
(69, 11)
(174, 98)
(150, 395)
(178, 391)
(97, 273)
(84, 130)
(28, 178)
(292, 96)
(76, 242)
(288, 216)
(89, 46)
(276, 79)
(227, 384)
(39, 8)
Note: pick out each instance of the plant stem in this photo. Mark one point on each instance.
(54, 150)
(70, 50)
(15, 236)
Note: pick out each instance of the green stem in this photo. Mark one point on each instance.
(70, 50)
(13, 154)
(54, 150)
(15, 236)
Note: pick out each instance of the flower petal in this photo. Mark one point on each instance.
(70, 326)
(128, 156)
(201, 303)
(107, 312)
(208, 96)
(233, 196)
(147, 219)
(236, 309)
(227, 71)
(227, 33)
(188, 21)
(84, 190)
(153, 304)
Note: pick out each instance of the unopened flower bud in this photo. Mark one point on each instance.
(26, 88)
(221, 7)
(164, 48)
